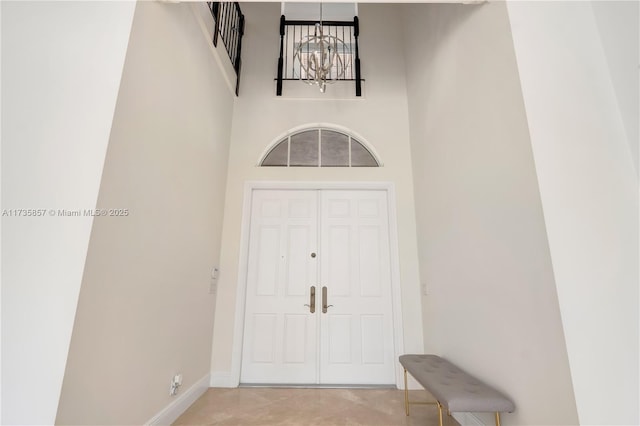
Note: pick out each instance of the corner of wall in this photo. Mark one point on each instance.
(588, 188)
(58, 106)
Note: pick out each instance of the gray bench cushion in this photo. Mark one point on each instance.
(453, 388)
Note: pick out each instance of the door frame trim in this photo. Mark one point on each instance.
(243, 264)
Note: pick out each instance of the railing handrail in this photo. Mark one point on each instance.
(229, 26)
(312, 22)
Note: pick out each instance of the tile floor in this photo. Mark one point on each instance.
(287, 406)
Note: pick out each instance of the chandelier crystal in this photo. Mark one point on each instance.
(322, 57)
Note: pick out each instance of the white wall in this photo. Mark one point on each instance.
(617, 25)
(589, 192)
(491, 306)
(145, 312)
(260, 117)
(61, 68)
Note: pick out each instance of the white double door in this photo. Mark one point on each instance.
(303, 245)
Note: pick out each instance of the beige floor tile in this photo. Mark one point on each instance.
(309, 407)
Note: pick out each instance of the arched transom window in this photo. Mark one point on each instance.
(319, 147)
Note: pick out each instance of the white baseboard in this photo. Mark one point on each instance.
(467, 419)
(222, 379)
(171, 412)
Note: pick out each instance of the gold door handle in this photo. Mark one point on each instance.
(324, 300)
(312, 299)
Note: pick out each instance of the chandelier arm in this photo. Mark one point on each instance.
(321, 57)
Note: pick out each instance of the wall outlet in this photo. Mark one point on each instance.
(176, 382)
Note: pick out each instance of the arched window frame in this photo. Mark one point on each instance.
(285, 137)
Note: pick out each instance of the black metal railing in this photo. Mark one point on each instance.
(292, 33)
(229, 26)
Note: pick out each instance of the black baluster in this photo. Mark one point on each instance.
(238, 62)
(356, 33)
(280, 60)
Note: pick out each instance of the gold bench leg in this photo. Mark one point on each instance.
(407, 402)
(497, 418)
(406, 393)
(439, 413)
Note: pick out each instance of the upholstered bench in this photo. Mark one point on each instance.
(452, 388)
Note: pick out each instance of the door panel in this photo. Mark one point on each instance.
(359, 325)
(264, 337)
(339, 339)
(369, 261)
(295, 336)
(372, 327)
(280, 336)
(268, 241)
(299, 248)
(338, 260)
(352, 343)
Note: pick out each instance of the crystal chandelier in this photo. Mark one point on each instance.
(322, 57)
